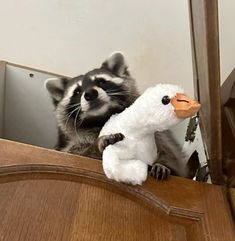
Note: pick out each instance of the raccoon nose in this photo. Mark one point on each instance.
(91, 94)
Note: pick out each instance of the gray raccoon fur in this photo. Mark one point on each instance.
(83, 104)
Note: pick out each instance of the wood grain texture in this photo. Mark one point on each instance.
(2, 94)
(206, 64)
(228, 127)
(48, 195)
(231, 193)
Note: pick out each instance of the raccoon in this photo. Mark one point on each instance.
(83, 104)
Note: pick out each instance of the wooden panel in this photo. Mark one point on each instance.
(228, 127)
(205, 46)
(48, 195)
(71, 210)
(2, 91)
(231, 194)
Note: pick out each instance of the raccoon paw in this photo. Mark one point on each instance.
(159, 171)
(107, 140)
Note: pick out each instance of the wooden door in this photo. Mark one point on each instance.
(48, 195)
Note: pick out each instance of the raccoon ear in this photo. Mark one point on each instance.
(116, 64)
(56, 87)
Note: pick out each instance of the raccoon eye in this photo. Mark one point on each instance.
(77, 91)
(101, 82)
(166, 100)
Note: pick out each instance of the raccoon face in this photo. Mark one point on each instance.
(89, 100)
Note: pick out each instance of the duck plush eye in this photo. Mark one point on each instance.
(166, 100)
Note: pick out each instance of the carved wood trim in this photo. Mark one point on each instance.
(180, 198)
(81, 169)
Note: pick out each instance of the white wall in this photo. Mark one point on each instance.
(71, 37)
(227, 37)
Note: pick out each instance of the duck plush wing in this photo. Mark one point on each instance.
(120, 163)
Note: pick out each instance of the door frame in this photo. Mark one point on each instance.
(204, 28)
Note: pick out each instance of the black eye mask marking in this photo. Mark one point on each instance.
(107, 85)
(77, 91)
(101, 82)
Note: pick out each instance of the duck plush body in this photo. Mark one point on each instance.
(157, 109)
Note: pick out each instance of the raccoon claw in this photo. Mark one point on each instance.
(159, 171)
(107, 140)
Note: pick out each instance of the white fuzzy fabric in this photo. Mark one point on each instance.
(127, 161)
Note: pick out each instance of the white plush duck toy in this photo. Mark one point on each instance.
(157, 109)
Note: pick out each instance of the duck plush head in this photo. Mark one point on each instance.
(157, 109)
(164, 106)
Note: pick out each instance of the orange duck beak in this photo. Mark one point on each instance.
(184, 106)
